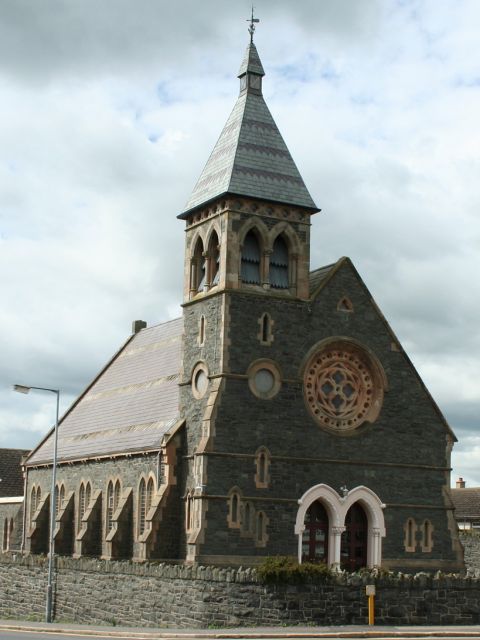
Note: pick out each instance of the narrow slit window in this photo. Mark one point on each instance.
(279, 264)
(251, 259)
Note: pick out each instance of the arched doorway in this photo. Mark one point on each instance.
(353, 548)
(315, 534)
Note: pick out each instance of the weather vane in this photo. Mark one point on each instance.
(251, 28)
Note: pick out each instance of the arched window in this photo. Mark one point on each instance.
(150, 491)
(410, 529)
(142, 497)
(10, 534)
(213, 260)
(201, 332)
(427, 541)
(81, 505)
(5, 535)
(262, 461)
(248, 518)
(88, 494)
(353, 549)
(261, 529)
(279, 264)
(33, 503)
(59, 497)
(198, 268)
(315, 534)
(265, 327)
(39, 497)
(84, 496)
(251, 259)
(110, 507)
(234, 506)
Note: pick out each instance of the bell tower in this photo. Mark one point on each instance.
(247, 255)
(248, 218)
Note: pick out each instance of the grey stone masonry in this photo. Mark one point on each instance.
(471, 545)
(151, 595)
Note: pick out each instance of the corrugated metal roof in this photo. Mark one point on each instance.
(250, 157)
(130, 406)
(467, 503)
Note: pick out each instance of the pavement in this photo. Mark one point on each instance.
(351, 631)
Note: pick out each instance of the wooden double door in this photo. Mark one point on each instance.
(353, 549)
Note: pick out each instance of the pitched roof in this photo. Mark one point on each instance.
(11, 477)
(131, 404)
(250, 157)
(466, 503)
(317, 277)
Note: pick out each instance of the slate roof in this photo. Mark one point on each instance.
(466, 503)
(250, 157)
(11, 476)
(319, 275)
(131, 404)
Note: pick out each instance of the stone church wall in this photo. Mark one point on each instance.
(126, 593)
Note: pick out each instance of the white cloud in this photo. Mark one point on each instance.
(109, 111)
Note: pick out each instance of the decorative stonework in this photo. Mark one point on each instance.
(342, 386)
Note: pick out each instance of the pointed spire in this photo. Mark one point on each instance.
(250, 157)
(251, 62)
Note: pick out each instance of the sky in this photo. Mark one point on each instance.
(108, 112)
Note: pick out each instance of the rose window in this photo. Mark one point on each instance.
(342, 389)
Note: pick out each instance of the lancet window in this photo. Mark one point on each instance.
(251, 259)
(279, 264)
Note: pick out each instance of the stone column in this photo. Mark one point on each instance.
(374, 549)
(335, 543)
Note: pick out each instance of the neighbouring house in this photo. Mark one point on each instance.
(11, 498)
(467, 506)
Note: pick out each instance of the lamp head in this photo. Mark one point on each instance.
(21, 388)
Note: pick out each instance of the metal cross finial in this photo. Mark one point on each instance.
(251, 28)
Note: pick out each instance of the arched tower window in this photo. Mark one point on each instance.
(214, 260)
(251, 259)
(279, 264)
(198, 268)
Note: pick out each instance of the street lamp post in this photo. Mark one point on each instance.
(48, 608)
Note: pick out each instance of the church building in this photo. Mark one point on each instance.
(279, 415)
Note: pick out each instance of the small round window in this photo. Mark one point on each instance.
(264, 379)
(200, 380)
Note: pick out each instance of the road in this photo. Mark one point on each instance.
(42, 635)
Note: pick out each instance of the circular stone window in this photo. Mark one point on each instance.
(343, 386)
(200, 380)
(264, 379)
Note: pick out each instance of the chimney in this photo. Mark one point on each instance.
(460, 483)
(138, 325)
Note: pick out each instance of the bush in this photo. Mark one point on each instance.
(281, 569)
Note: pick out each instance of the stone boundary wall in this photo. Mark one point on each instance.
(471, 546)
(161, 595)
